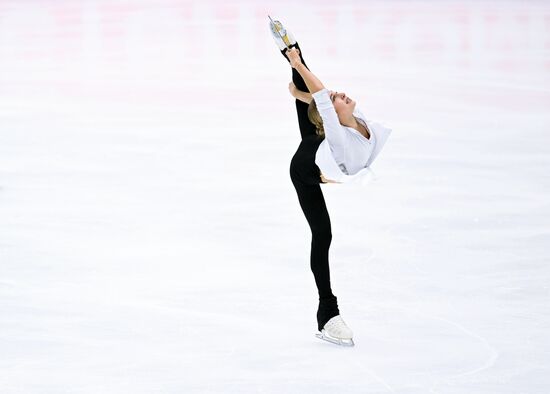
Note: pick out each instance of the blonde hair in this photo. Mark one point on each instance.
(315, 118)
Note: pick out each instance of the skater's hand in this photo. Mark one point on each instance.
(298, 94)
(292, 89)
(293, 55)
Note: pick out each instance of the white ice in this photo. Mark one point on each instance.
(151, 240)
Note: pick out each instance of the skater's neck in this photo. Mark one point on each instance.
(348, 121)
(352, 122)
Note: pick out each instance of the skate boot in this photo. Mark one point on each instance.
(283, 38)
(336, 331)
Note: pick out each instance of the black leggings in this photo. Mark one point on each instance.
(305, 176)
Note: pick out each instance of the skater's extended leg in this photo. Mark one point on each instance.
(306, 127)
(296, 77)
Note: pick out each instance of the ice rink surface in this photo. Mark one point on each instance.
(151, 240)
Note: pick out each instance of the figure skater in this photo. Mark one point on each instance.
(338, 144)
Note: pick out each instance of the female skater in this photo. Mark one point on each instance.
(338, 144)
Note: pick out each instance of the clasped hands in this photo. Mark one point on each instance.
(293, 55)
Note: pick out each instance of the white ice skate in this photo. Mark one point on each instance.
(283, 38)
(336, 331)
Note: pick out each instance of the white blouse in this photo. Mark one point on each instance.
(345, 154)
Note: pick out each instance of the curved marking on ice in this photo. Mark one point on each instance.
(489, 362)
(375, 376)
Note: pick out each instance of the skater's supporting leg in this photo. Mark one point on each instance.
(313, 205)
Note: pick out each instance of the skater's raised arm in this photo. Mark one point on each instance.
(312, 82)
(324, 103)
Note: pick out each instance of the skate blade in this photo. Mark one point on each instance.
(278, 29)
(337, 341)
